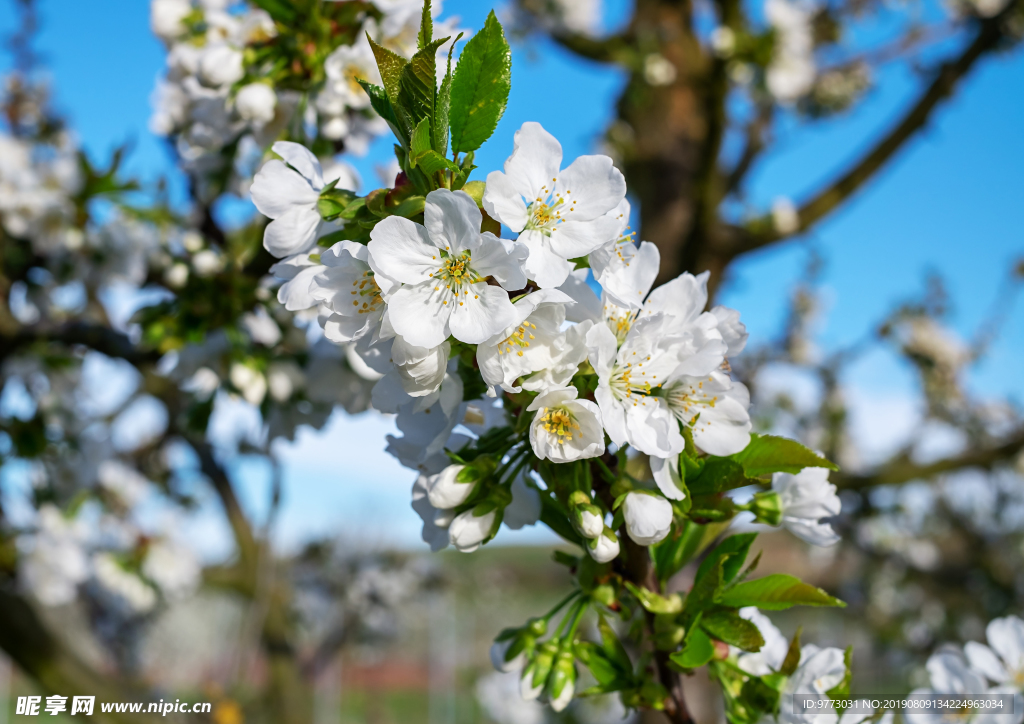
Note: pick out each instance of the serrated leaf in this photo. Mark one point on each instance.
(420, 141)
(426, 27)
(417, 85)
(768, 454)
(734, 550)
(442, 107)
(718, 475)
(730, 627)
(775, 593)
(654, 602)
(391, 65)
(480, 87)
(380, 103)
(697, 650)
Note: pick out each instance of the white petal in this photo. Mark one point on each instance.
(535, 160)
(984, 660)
(592, 186)
(402, 250)
(587, 306)
(504, 203)
(292, 233)
(416, 313)
(294, 294)
(543, 265)
(302, 160)
(501, 259)
(452, 220)
(277, 189)
(1006, 637)
(666, 475)
(684, 297)
(626, 282)
(480, 314)
(573, 238)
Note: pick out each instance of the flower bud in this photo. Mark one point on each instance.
(767, 507)
(605, 547)
(535, 675)
(587, 518)
(513, 646)
(256, 103)
(562, 682)
(648, 517)
(469, 530)
(449, 488)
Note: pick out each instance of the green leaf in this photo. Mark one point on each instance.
(420, 141)
(426, 27)
(480, 87)
(553, 515)
(382, 105)
(442, 107)
(654, 602)
(675, 552)
(732, 628)
(591, 655)
(613, 648)
(759, 695)
(280, 10)
(704, 590)
(768, 454)
(431, 162)
(391, 65)
(776, 592)
(718, 475)
(734, 550)
(697, 650)
(792, 660)
(417, 85)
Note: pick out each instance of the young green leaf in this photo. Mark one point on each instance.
(417, 84)
(654, 602)
(718, 475)
(390, 65)
(480, 87)
(704, 590)
(792, 660)
(280, 10)
(734, 549)
(442, 107)
(768, 454)
(426, 27)
(697, 650)
(613, 648)
(730, 627)
(382, 105)
(776, 592)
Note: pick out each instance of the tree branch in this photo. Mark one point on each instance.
(832, 197)
(97, 337)
(903, 470)
(610, 49)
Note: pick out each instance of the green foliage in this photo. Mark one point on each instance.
(697, 649)
(733, 550)
(776, 592)
(480, 87)
(768, 454)
(718, 476)
(654, 602)
(728, 626)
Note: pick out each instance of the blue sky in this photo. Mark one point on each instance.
(951, 203)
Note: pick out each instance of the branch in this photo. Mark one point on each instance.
(610, 49)
(97, 337)
(902, 470)
(828, 200)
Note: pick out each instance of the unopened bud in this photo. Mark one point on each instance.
(562, 682)
(535, 675)
(767, 507)
(586, 518)
(605, 547)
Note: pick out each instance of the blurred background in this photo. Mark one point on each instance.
(889, 335)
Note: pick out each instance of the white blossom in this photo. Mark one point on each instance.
(648, 517)
(443, 267)
(56, 562)
(444, 489)
(769, 659)
(256, 103)
(468, 530)
(565, 428)
(433, 535)
(558, 214)
(124, 590)
(807, 498)
(347, 286)
(173, 568)
(791, 73)
(166, 18)
(604, 547)
(1002, 661)
(819, 671)
(221, 65)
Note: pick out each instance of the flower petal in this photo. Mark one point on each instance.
(452, 220)
(592, 186)
(480, 314)
(504, 203)
(292, 233)
(302, 160)
(543, 265)
(417, 313)
(402, 250)
(277, 189)
(578, 238)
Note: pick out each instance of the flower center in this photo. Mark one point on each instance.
(686, 399)
(549, 210)
(629, 381)
(619, 320)
(367, 293)
(558, 421)
(519, 339)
